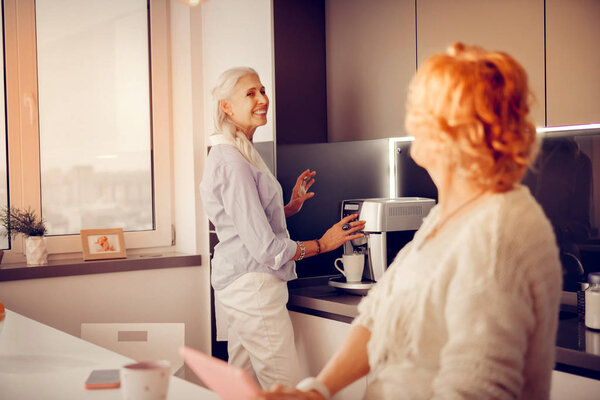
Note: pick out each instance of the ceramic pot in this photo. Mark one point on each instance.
(36, 252)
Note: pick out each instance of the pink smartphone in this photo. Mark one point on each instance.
(103, 379)
(229, 382)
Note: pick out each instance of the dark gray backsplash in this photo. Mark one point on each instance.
(345, 170)
(568, 189)
(565, 181)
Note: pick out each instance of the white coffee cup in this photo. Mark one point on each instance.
(353, 266)
(146, 380)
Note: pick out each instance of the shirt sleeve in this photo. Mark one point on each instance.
(488, 327)
(240, 197)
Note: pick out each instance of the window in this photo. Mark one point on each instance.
(3, 157)
(87, 100)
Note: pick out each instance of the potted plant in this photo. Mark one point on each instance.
(16, 221)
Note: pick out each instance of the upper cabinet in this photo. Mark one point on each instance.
(513, 26)
(573, 61)
(343, 66)
(370, 57)
(299, 49)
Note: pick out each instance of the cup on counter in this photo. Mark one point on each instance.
(146, 380)
(353, 265)
(592, 342)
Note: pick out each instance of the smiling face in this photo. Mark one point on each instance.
(248, 104)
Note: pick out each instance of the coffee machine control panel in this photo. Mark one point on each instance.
(351, 207)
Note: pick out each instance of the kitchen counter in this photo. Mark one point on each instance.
(577, 348)
(315, 297)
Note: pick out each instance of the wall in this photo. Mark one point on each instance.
(189, 153)
(238, 33)
(160, 295)
(188, 141)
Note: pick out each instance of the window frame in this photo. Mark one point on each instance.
(22, 128)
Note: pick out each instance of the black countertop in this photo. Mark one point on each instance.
(577, 347)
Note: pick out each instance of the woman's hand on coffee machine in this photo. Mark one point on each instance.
(342, 232)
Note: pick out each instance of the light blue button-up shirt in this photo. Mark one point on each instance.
(245, 205)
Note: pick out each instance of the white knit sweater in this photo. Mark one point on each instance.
(473, 313)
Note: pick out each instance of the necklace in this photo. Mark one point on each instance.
(441, 223)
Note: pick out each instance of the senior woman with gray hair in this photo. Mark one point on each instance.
(255, 256)
(469, 308)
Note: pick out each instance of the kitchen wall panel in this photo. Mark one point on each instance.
(370, 47)
(573, 61)
(513, 26)
(299, 47)
(345, 170)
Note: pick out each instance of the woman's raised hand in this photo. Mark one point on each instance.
(300, 192)
(342, 232)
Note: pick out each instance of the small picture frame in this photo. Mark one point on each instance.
(102, 244)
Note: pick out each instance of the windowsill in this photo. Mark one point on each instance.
(76, 266)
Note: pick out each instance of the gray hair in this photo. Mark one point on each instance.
(224, 125)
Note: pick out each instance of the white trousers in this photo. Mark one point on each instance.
(259, 330)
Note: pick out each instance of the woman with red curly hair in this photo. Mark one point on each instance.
(469, 308)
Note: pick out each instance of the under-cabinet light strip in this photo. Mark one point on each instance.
(392, 148)
(392, 160)
(586, 127)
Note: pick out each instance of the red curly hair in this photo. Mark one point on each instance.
(474, 105)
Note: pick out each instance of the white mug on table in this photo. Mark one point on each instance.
(146, 380)
(353, 266)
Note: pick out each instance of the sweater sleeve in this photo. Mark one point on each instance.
(370, 304)
(488, 324)
(240, 196)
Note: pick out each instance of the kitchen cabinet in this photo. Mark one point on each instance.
(573, 387)
(572, 62)
(317, 339)
(342, 68)
(299, 52)
(372, 49)
(370, 58)
(513, 26)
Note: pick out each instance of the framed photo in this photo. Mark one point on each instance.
(102, 244)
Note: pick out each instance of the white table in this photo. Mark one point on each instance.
(40, 362)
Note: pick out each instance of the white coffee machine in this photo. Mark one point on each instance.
(390, 224)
